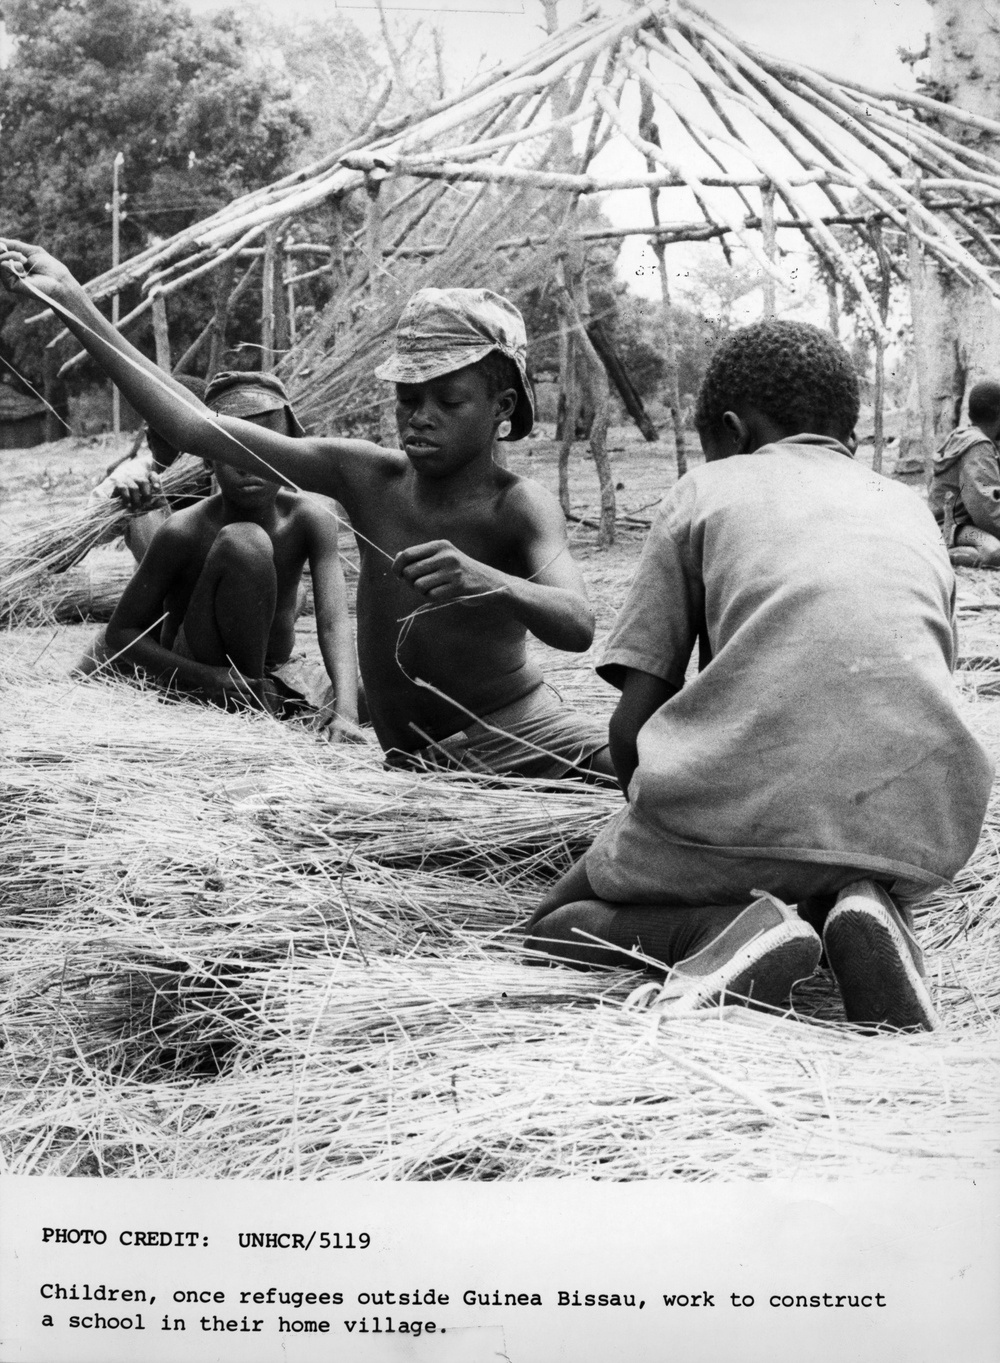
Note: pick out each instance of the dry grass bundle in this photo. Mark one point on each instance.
(228, 951)
(30, 564)
(435, 1070)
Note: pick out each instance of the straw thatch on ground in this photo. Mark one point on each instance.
(229, 951)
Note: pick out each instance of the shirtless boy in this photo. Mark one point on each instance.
(460, 559)
(211, 607)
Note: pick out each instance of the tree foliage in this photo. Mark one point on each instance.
(197, 120)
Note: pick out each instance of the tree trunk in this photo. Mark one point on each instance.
(956, 328)
(619, 375)
(577, 316)
(566, 414)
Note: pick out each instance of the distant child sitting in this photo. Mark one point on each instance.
(460, 558)
(819, 755)
(965, 483)
(211, 607)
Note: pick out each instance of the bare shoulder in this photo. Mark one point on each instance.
(528, 504)
(184, 529)
(312, 512)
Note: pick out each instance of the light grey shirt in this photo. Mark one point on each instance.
(826, 726)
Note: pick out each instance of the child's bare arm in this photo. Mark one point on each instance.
(550, 600)
(334, 467)
(134, 630)
(333, 627)
(642, 695)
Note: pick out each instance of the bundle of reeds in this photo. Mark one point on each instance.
(31, 564)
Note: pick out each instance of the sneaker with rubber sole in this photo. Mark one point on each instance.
(756, 960)
(876, 962)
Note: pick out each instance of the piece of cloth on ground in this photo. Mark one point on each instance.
(300, 684)
(825, 729)
(966, 470)
(537, 736)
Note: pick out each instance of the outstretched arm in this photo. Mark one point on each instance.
(329, 466)
(550, 599)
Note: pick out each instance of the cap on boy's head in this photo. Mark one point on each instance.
(792, 372)
(984, 402)
(441, 330)
(243, 394)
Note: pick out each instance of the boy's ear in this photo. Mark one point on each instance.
(505, 404)
(739, 432)
(851, 442)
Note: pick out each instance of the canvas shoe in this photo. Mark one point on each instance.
(756, 961)
(876, 962)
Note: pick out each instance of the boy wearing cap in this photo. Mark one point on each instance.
(460, 559)
(211, 607)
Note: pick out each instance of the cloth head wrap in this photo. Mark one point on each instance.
(441, 330)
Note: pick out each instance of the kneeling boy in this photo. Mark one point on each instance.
(211, 607)
(819, 755)
(460, 558)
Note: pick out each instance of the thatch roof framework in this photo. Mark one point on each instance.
(729, 120)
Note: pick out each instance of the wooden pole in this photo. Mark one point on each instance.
(267, 302)
(373, 227)
(225, 296)
(770, 247)
(832, 304)
(290, 283)
(161, 332)
(670, 377)
(649, 131)
(338, 259)
(600, 392)
(280, 302)
(878, 438)
(116, 205)
(619, 376)
(566, 416)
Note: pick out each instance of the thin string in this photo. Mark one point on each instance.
(40, 396)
